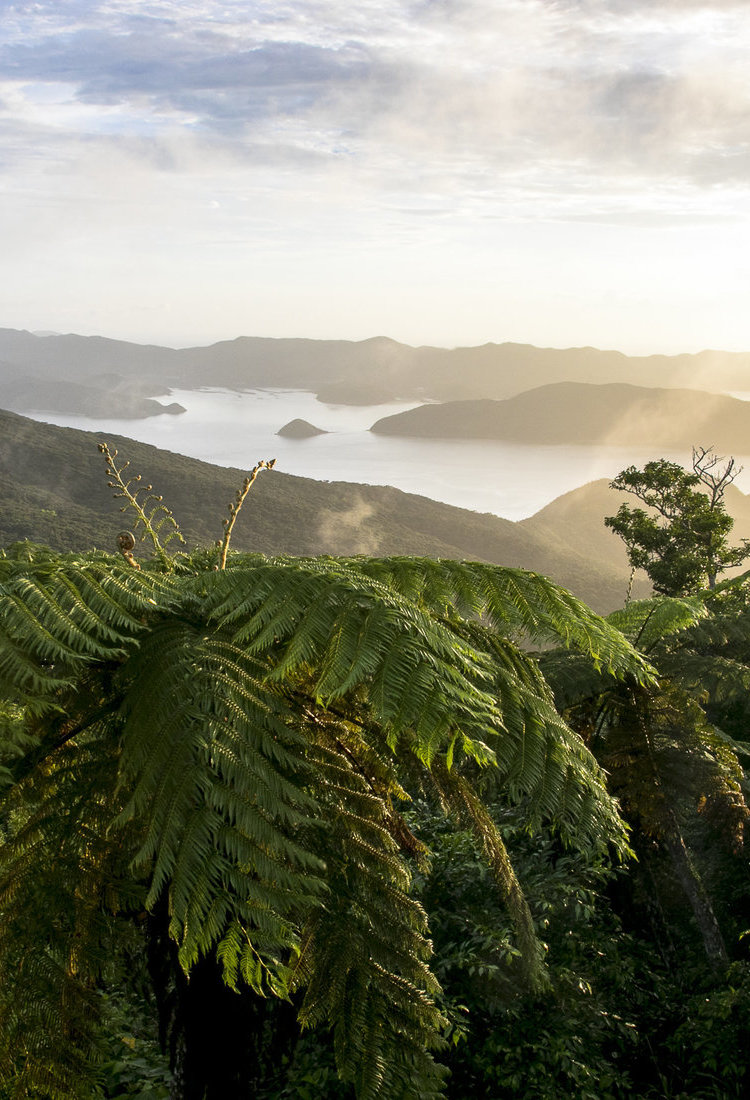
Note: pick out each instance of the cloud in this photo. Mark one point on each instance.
(438, 90)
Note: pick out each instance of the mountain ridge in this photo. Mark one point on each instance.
(369, 371)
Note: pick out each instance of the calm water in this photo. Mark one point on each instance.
(237, 429)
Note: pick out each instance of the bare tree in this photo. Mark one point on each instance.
(717, 479)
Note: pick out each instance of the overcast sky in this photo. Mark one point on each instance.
(557, 172)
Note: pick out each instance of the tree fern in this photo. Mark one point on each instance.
(665, 759)
(229, 747)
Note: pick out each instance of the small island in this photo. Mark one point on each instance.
(300, 429)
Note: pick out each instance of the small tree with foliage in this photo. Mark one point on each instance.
(682, 540)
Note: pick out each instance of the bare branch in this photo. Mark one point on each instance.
(705, 461)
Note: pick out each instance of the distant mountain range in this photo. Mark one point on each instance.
(53, 490)
(615, 414)
(364, 372)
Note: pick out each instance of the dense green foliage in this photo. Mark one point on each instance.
(681, 541)
(219, 756)
(305, 827)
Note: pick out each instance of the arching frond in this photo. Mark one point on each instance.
(218, 774)
(573, 678)
(58, 616)
(646, 623)
(364, 955)
(513, 601)
(540, 760)
(719, 680)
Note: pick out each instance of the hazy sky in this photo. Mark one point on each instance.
(558, 172)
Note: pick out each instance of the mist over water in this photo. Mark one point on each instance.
(510, 480)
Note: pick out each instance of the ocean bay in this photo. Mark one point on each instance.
(231, 428)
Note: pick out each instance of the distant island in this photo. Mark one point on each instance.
(617, 414)
(300, 429)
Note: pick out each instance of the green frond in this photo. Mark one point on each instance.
(708, 678)
(573, 678)
(540, 761)
(646, 623)
(364, 954)
(418, 674)
(218, 777)
(513, 601)
(56, 617)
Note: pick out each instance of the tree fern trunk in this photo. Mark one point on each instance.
(657, 919)
(223, 1044)
(700, 903)
(229, 1044)
(465, 805)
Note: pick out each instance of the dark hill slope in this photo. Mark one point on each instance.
(53, 489)
(574, 412)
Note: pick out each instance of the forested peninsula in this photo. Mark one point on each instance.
(613, 414)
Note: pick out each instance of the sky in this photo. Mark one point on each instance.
(446, 172)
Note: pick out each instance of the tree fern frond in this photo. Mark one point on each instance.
(512, 600)
(572, 677)
(718, 679)
(364, 954)
(647, 622)
(55, 618)
(219, 777)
